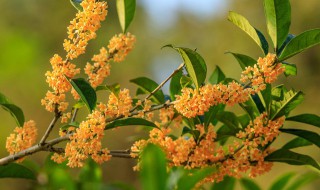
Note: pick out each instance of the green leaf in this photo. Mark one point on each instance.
(293, 158)
(217, 76)
(210, 115)
(126, 10)
(249, 184)
(251, 108)
(67, 126)
(303, 180)
(223, 133)
(153, 173)
(229, 119)
(255, 34)
(188, 181)
(76, 4)
(307, 118)
(115, 88)
(175, 86)
(296, 142)
(14, 170)
(244, 60)
(290, 100)
(244, 120)
(85, 91)
(288, 39)
(282, 181)
(291, 69)
(300, 43)
(195, 64)
(228, 183)
(14, 110)
(278, 15)
(267, 97)
(129, 121)
(148, 86)
(90, 176)
(308, 135)
(185, 81)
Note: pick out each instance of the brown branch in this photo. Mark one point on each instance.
(50, 127)
(160, 85)
(36, 148)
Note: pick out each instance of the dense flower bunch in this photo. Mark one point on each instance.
(120, 45)
(100, 69)
(193, 102)
(83, 28)
(240, 157)
(22, 138)
(85, 142)
(119, 104)
(265, 71)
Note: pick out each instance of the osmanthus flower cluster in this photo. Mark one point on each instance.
(191, 122)
(118, 48)
(246, 154)
(193, 102)
(81, 29)
(22, 138)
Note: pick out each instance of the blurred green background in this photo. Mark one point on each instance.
(32, 31)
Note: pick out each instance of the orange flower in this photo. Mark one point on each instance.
(86, 141)
(83, 27)
(22, 138)
(119, 105)
(100, 69)
(120, 45)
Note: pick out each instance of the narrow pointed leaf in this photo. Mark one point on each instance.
(307, 118)
(281, 182)
(76, 4)
(129, 121)
(308, 135)
(175, 86)
(210, 115)
(255, 34)
(85, 91)
(229, 119)
(14, 170)
(290, 100)
(189, 181)
(292, 158)
(267, 97)
(126, 10)
(228, 183)
(291, 69)
(217, 76)
(153, 168)
(114, 88)
(195, 64)
(300, 43)
(14, 110)
(244, 60)
(288, 39)
(303, 180)
(296, 143)
(148, 86)
(251, 108)
(278, 15)
(249, 184)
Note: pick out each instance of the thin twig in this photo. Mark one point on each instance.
(74, 115)
(50, 127)
(33, 149)
(160, 85)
